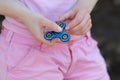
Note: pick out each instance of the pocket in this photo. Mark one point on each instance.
(85, 44)
(16, 53)
(33, 60)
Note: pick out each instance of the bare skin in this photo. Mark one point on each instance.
(15, 9)
(78, 19)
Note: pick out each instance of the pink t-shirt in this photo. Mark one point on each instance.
(51, 9)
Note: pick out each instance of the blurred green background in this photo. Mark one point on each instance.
(106, 30)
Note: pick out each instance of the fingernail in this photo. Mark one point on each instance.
(59, 28)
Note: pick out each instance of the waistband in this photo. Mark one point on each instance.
(21, 29)
(18, 38)
(30, 40)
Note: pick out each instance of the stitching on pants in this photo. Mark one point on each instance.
(9, 36)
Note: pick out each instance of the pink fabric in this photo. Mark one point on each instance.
(51, 9)
(26, 59)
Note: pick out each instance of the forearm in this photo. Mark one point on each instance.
(13, 8)
(87, 5)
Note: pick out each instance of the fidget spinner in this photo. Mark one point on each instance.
(63, 36)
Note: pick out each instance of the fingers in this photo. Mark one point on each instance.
(37, 27)
(41, 39)
(55, 28)
(54, 41)
(77, 20)
(37, 32)
(49, 43)
(52, 26)
(82, 24)
(82, 30)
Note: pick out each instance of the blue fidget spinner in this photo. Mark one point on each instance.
(63, 36)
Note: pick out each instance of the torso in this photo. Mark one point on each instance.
(51, 9)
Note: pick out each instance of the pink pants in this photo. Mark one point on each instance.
(23, 58)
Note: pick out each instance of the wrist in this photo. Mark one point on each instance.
(24, 15)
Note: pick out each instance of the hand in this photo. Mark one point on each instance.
(78, 21)
(36, 24)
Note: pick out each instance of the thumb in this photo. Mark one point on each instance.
(52, 26)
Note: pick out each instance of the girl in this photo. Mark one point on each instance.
(25, 54)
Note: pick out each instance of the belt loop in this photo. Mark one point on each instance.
(9, 36)
(88, 39)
